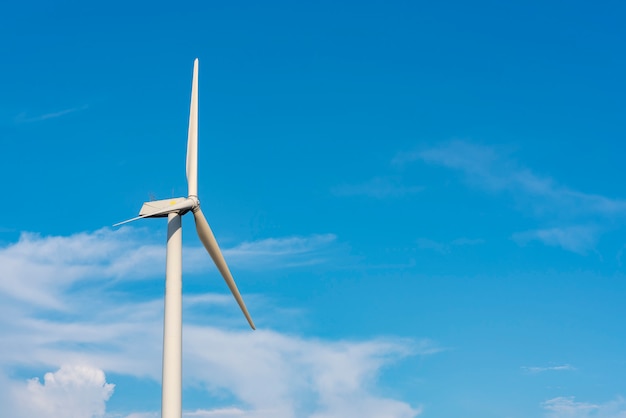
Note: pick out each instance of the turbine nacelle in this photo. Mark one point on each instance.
(161, 208)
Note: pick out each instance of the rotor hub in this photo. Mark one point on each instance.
(196, 203)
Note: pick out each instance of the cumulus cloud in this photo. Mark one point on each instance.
(73, 391)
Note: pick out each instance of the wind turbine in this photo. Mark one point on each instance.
(174, 209)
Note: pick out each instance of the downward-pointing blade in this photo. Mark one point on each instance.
(208, 239)
(192, 136)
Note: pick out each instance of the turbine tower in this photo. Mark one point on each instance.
(174, 209)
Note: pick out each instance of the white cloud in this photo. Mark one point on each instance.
(540, 369)
(144, 415)
(367, 408)
(284, 252)
(578, 239)
(39, 269)
(492, 169)
(283, 374)
(266, 373)
(23, 118)
(567, 407)
(73, 391)
(270, 373)
(216, 413)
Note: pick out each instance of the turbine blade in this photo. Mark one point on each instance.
(192, 136)
(129, 220)
(208, 239)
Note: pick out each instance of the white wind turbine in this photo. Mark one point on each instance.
(174, 209)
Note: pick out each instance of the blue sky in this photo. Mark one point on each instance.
(421, 204)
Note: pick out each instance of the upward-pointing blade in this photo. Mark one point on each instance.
(192, 137)
(208, 239)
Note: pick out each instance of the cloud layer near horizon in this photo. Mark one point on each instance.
(77, 325)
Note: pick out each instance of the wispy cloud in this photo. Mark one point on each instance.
(578, 239)
(24, 118)
(494, 170)
(378, 187)
(39, 269)
(568, 407)
(52, 265)
(267, 373)
(293, 369)
(576, 213)
(541, 369)
(271, 373)
(287, 251)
